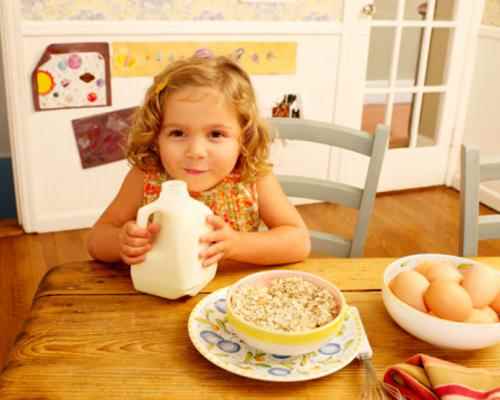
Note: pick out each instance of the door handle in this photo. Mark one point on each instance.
(369, 10)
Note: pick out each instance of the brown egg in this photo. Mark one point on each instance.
(481, 282)
(409, 286)
(425, 266)
(434, 270)
(485, 315)
(496, 303)
(443, 271)
(447, 299)
(422, 267)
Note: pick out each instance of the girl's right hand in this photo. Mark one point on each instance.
(135, 242)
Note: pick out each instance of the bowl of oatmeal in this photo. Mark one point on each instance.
(285, 312)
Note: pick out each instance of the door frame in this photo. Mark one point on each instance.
(15, 82)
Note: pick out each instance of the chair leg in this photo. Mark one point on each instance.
(469, 202)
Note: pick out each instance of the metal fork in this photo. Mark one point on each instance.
(373, 388)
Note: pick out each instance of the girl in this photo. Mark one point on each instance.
(199, 123)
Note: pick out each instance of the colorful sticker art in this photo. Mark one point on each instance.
(72, 75)
(149, 58)
(101, 138)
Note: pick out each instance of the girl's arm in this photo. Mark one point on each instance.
(106, 237)
(286, 241)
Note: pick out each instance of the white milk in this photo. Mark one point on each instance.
(172, 268)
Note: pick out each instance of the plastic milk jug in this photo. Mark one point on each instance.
(172, 268)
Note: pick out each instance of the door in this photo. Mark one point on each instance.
(403, 66)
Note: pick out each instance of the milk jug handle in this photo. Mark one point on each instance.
(143, 214)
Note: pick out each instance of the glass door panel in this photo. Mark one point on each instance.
(445, 10)
(385, 9)
(380, 56)
(437, 62)
(429, 119)
(401, 120)
(415, 10)
(374, 108)
(409, 57)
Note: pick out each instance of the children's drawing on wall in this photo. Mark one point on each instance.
(148, 58)
(72, 75)
(101, 138)
(290, 106)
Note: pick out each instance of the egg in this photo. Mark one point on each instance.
(409, 286)
(423, 266)
(485, 315)
(443, 271)
(481, 282)
(496, 303)
(447, 299)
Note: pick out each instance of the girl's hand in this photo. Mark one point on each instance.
(135, 242)
(222, 241)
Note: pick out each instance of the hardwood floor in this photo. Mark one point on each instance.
(408, 222)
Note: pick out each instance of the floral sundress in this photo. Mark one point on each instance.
(232, 199)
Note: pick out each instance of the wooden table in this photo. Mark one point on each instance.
(92, 336)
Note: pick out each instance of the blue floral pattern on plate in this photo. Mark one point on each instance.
(215, 339)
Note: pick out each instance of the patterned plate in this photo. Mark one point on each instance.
(214, 338)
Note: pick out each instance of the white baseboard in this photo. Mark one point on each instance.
(297, 201)
(65, 221)
(487, 196)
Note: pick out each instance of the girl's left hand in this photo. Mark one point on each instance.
(221, 241)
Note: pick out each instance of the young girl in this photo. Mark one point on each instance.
(199, 123)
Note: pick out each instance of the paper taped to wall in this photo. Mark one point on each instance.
(101, 138)
(72, 75)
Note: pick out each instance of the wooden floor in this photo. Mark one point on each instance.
(403, 223)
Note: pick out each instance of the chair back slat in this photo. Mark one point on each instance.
(322, 132)
(320, 189)
(472, 226)
(373, 146)
(328, 244)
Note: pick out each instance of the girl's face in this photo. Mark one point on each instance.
(200, 138)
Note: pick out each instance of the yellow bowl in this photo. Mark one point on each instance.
(285, 343)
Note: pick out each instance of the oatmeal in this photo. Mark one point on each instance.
(286, 304)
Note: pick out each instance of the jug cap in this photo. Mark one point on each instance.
(175, 187)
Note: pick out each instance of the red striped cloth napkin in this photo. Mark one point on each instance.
(423, 377)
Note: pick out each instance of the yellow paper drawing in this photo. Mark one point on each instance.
(149, 58)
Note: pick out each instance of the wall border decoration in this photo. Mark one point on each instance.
(149, 58)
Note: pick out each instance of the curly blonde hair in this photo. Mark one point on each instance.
(222, 74)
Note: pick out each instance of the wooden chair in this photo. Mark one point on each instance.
(472, 226)
(373, 146)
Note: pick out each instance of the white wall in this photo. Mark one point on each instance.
(482, 123)
(75, 198)
(4, 129)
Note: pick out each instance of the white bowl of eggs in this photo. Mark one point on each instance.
(448, 301)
